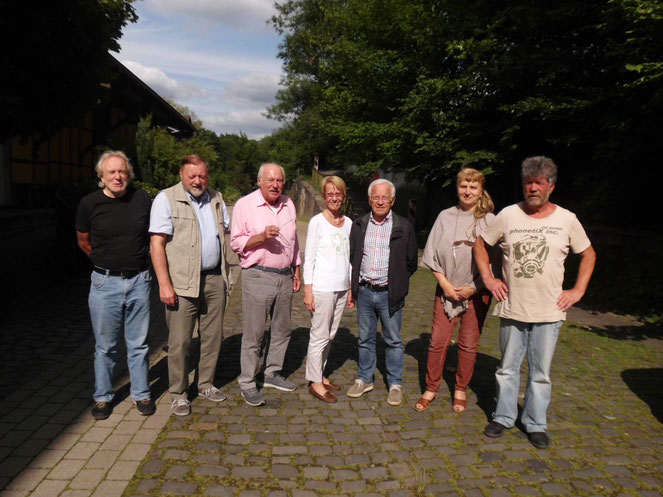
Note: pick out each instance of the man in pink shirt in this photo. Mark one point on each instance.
(264, 236)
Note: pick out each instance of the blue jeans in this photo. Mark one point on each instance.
(118, 304)
(539, 341)
(370, 306)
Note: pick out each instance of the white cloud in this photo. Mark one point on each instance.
(253, 90)
(252, 123)
(242, 14)
(164, 85)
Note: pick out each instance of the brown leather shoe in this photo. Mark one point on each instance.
(327, 397)
(331, 387)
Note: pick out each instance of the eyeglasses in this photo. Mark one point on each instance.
(382, 198)
(334, 195)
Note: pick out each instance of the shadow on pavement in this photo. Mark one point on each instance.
(646, 384)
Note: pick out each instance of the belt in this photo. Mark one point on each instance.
(373, 287)
(129, 273)
(214, 270)
(282, 270)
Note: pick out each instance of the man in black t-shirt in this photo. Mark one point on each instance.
(111, 226)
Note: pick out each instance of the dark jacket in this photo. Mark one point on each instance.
(402, 258)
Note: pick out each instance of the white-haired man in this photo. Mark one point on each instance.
(383, 254)
(111, 226)
(535, 237)
(264, 236)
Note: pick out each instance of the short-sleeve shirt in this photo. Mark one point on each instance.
(117, 228)
(534, 252)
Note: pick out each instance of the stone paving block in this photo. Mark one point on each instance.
(249, 472)
(284, 471)
(277, 493)
(31, 447)
(67, 469)
(15, 438)
(76, 493)
(316, 472)
(303, 493)
(28, 479)
(96, 434)
(220, 491)
(123, 470)
(81, 426)
(153, 466)
(103, 459)
(179, 488)
(242, 439)
(87, 478)
(146, 486)
(526, 491)
(135, 452)
(47, 458)
(217, 471)
(82, 450)
(177, 472)
(290, 450)
(207, 458)
(110, 489)
(352, 485)
(249, 493)
(127, 427)
(49, 488)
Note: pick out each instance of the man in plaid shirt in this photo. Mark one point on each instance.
(383, 253)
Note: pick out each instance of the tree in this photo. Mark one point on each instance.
(54, 58)
(159, 153)
(424, 86)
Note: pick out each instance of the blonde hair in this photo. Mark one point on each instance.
(333, 180)
(99, 167)
(485, 203)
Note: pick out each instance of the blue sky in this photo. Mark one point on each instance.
(217, 57)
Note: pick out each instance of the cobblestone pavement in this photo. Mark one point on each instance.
(605, 419)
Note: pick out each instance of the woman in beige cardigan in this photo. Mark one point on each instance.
(459, 295)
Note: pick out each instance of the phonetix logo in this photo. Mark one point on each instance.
(530, 256)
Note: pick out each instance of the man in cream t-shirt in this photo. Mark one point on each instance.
(535, 237)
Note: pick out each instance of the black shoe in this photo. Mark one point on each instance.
(539, 439)
(102, 410)
(146, 407)
(494, 429)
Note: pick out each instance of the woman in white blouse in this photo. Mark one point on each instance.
(326, 283)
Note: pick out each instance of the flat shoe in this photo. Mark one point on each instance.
(459, 405)
(331, 387)
(424, 403)
(327, 397)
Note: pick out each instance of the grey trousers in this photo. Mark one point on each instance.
(263, 292)
(207, 311)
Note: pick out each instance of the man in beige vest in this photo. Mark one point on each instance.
(187, 226)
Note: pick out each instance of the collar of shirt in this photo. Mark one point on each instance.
(203, 199)
(260, 201)
(386, 219)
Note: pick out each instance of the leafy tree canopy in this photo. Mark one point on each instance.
(424, 86)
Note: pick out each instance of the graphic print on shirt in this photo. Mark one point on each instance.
(340, 243)
(530, 254)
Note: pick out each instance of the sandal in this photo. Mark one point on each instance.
(459, 405)
(424, 403)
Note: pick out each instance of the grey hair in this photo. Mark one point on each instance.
(107, 155)
(539, 166)
(382, 181)
(262, 167)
